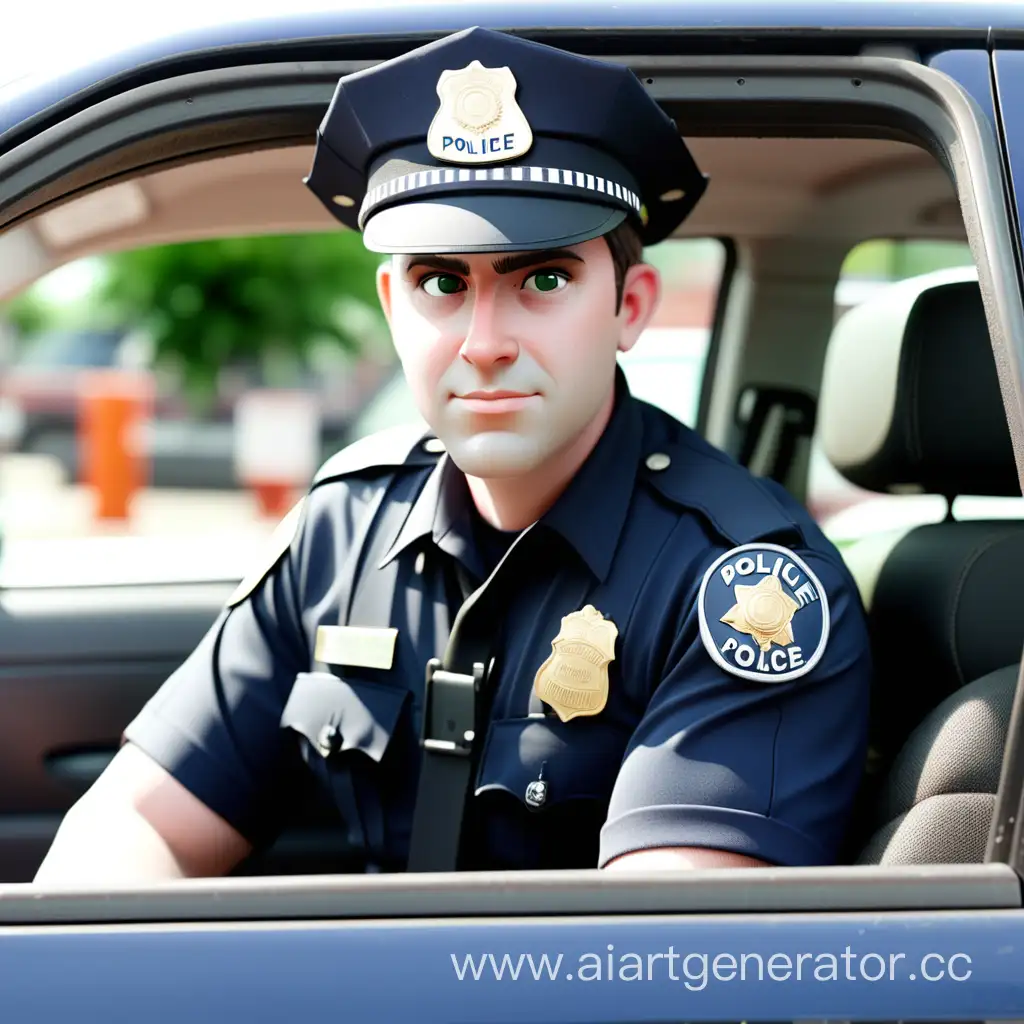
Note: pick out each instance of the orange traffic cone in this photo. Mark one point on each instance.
(114, 406)
(273, 499)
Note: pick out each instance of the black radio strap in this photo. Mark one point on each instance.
(456, 712)
(452, 711)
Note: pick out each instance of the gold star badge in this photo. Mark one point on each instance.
(765, 612)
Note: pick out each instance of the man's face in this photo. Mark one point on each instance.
(510, 357)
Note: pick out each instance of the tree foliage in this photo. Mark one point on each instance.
(208, 304)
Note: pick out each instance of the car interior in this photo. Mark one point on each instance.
(901, 394)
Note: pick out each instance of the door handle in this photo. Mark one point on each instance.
(81, 768)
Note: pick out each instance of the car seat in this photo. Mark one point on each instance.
(911, 402)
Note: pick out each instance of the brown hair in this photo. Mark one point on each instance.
(627, 250)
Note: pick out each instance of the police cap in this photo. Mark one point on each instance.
(485, 142)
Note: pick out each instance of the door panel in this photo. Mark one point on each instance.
(76, 666)
(1007, 839)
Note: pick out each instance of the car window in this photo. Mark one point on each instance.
(240, 365)
(247, 370)
(70, 349)
(666, 366)
(847, 512)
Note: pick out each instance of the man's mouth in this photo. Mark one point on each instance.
(495, 401)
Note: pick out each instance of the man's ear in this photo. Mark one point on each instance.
(641, 293)
(384, 282)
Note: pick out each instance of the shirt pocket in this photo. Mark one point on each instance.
(544, 787)
(346, 726)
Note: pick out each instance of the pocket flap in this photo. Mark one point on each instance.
(580, 758)
(337, 714)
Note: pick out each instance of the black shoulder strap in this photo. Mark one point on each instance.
(454, 700)
(456, 713)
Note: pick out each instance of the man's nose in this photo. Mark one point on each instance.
(488, 341)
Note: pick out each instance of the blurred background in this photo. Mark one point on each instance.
(250, 360)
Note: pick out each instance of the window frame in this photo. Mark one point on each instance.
(231, 109)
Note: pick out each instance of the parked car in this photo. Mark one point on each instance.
(821, 126)
(40, 407)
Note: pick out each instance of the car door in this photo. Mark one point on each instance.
(91, 626)
(1007, 82)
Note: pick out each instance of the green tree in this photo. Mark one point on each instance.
(208, 304)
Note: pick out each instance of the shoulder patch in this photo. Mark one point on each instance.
(404, 445)
(280, 541)
(763, 614)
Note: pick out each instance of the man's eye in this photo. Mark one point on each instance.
(440, 285)
(546, 281)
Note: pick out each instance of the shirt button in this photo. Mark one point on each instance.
(434, 445)
(658, 461)
(327, 740)
(537, 793)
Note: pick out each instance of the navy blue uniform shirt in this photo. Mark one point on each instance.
(737, 699)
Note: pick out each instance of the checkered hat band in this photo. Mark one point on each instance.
(422, 180)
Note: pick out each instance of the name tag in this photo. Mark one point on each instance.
(358, 646)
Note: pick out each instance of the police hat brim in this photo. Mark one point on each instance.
(487, 223)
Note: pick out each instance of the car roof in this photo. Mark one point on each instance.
(103, 49)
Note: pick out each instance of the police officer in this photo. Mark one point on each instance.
(558, 630)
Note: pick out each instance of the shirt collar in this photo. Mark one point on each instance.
(589, 514)
(443, 512)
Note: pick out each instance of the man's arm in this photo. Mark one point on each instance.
(206, 772)
(729, 768)
(138, 824)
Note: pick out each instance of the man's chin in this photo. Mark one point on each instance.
(495, 454)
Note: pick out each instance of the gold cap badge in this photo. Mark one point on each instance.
(479, 120)
(574, 679)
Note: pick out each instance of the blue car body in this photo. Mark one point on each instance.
(935, 943)
(826, 26)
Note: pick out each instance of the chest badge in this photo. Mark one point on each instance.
(763, 614)
(574, 678)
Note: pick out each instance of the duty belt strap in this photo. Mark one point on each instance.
(454, 714)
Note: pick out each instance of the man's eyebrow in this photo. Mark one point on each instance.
(503, 265)
(510, 264)
(445, 263)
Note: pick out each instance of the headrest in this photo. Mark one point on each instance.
(910, 398)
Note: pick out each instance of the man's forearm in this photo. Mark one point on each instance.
(119, 848)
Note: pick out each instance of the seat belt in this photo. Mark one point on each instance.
(455, 713)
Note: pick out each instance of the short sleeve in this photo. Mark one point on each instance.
(215, 722)
(767, 768)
